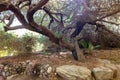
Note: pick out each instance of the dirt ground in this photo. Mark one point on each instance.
(113, 55)
(63, 58)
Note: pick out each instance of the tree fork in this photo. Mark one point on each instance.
(30, 24)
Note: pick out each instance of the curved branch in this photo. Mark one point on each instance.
(18, 14)
(42, 29)
(6, 28)
(107, 15)
(39, 5)
(6, 6)
(43, 18)
(50, 14)
(22, 1)
(117, 24)
(11, 20)
(49, 25)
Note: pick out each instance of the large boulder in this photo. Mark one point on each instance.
(73, 72)
(103, 73)
(104, 61)
(118, 72)
(114, 68)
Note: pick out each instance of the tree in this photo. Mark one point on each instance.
(93, 12)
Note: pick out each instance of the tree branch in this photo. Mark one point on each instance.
(107, 15)
(117, 24)
(39, 5)
(50, 14)
(11, 20)
(43, 29)
(6, 28)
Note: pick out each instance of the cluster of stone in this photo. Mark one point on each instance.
(104, 71)
(27, 68)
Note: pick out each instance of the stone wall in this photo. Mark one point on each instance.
(104, 71)
(28, 68)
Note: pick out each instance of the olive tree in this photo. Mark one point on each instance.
(76, 13)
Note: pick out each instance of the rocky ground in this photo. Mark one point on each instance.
(47, 64)
(113, 55)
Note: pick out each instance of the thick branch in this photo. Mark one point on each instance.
(50, 14)
(110, 22)
(6, 6)
(43, 29)
(11, 20)
(18, 14)
(107, 15)
(13, 27)
(103, 27)
(39, 5)
(22, 1)
(3, 6)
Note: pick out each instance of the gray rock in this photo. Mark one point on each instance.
(73, 72)
(114, 68)
(104, 61)
(118, 72)
(103, 73)
(49, 70)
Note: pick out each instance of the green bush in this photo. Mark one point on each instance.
(88, 47)
(25, 44)
(45, 41)
(18, 45)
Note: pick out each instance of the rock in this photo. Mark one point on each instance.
(104, 61)
(28, 69)
(102, 73)
(73, 72)
(113, 68)
(49, 70)
(118, 72)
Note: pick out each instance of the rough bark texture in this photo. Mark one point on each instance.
(80, 55)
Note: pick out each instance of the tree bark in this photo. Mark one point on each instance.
(80, 55)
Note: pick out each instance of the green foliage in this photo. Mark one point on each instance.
(25, 44)
(88, 45)
(70, 17)
(84, 44)
(43, 40)
(58, 34)
(10, 43)
(5, 40)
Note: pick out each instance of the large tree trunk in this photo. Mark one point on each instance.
(79, 53)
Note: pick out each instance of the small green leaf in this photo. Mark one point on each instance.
(97, 46)
(84, 44)
(90, 46)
